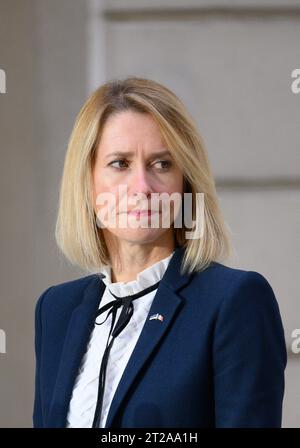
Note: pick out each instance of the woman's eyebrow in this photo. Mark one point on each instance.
(129, 154)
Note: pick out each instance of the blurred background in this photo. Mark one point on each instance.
(229, 61)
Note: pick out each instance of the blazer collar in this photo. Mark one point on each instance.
(166, 302)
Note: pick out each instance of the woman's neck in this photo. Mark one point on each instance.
(135, 262)
(131, 259)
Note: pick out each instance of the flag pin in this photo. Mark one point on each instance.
(157, 316)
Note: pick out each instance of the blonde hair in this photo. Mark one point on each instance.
(77, 234)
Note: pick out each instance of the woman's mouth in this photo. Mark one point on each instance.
(142, 212)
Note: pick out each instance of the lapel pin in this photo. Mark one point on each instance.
(157, 316)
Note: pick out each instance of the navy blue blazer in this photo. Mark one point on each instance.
(216, 360)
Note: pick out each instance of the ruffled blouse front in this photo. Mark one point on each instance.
(84, 396)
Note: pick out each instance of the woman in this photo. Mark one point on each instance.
(160, 333)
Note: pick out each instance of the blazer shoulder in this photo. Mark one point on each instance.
(65, 294)
(221, 275)
(247, 288)
(232, 276)
(225, 284)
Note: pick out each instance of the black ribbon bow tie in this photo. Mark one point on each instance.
(124, 318)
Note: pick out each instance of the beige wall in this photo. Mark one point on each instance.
(43, 51)
(230, 62)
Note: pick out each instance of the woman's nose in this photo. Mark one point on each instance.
(140, 182)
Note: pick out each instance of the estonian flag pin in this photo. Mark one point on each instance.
(157, 316)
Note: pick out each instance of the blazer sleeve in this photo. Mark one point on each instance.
(249, 356)
(37, 407)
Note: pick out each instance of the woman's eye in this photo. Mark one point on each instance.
(121, 164)
(166, 164)
(117, 161)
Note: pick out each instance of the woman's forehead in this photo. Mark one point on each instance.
(131, 133)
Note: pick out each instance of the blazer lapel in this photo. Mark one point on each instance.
(76, 340)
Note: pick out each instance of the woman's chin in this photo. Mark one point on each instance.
(142, 235)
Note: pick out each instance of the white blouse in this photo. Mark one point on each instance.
(84, 396)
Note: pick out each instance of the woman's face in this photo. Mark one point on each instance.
(132, 162)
